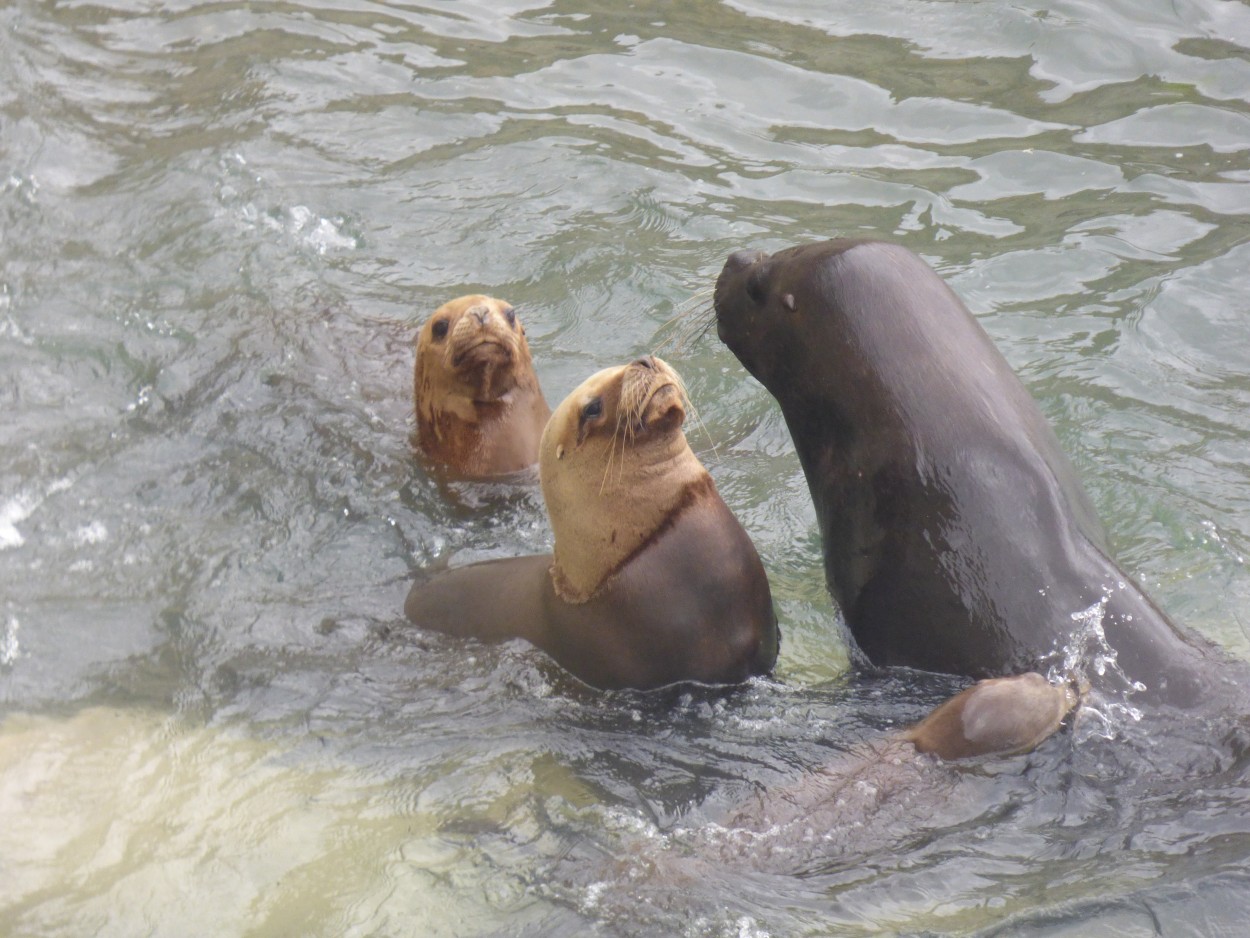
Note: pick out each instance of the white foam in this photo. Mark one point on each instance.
(93, 533)
(20, 507)
(12, 513)
(319, 233)
(1105, 708)
(9, 648)
(327, 236)
(303, 224)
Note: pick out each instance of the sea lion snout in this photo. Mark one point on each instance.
(735, 264)
(740, 260)
(483, 337)
(478, 323)
(652, 397)
(664, 411)
(737, 301)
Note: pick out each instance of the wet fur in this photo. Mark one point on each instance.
(479, 407)
(957, 537)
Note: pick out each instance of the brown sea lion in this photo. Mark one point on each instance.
(480, 410)
(653, 581)
(957, 536)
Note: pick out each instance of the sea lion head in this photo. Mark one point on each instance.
(615, 467)
(773, 311)
(471, 351)
(849, 337)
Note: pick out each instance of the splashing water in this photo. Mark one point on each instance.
(9, 648)
(1088, 661)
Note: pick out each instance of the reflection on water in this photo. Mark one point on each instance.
(219, 227)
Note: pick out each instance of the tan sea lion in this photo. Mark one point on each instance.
(653, 581)
(480, 410)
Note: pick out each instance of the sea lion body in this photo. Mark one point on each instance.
(480, 409)
(687, 608)
(652, 582)
(957, 537)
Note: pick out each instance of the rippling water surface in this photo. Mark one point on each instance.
(220, 224)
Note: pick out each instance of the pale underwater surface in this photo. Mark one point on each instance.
(219, 227)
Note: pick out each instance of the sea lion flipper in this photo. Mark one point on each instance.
(1001, 715)
(493, 600)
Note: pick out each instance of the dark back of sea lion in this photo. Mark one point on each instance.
(957, 537)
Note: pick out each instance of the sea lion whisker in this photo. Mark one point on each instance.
(690, 315)
(698, 418)
(696, 335)
(625, 426)
(688, 305)
(693, 412)
(677, 317)
(607, 468)
(620, 473)
(695, 329)
(691, 323)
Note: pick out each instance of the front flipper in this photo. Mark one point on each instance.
(493, 600)
(1001, 715)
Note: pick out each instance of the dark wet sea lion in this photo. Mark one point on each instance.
(957, 537)
(480, 410)
(653, 581)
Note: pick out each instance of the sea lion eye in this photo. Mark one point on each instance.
(510, 314)
(593, 409)
(440, 328)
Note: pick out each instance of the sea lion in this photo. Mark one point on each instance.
(480, 410)
(957, 537)
(652, 581)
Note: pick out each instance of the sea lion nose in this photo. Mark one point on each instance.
(645, 362)
(480, 313)
(740, 260)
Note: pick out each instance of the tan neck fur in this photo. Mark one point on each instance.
(602, 517)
